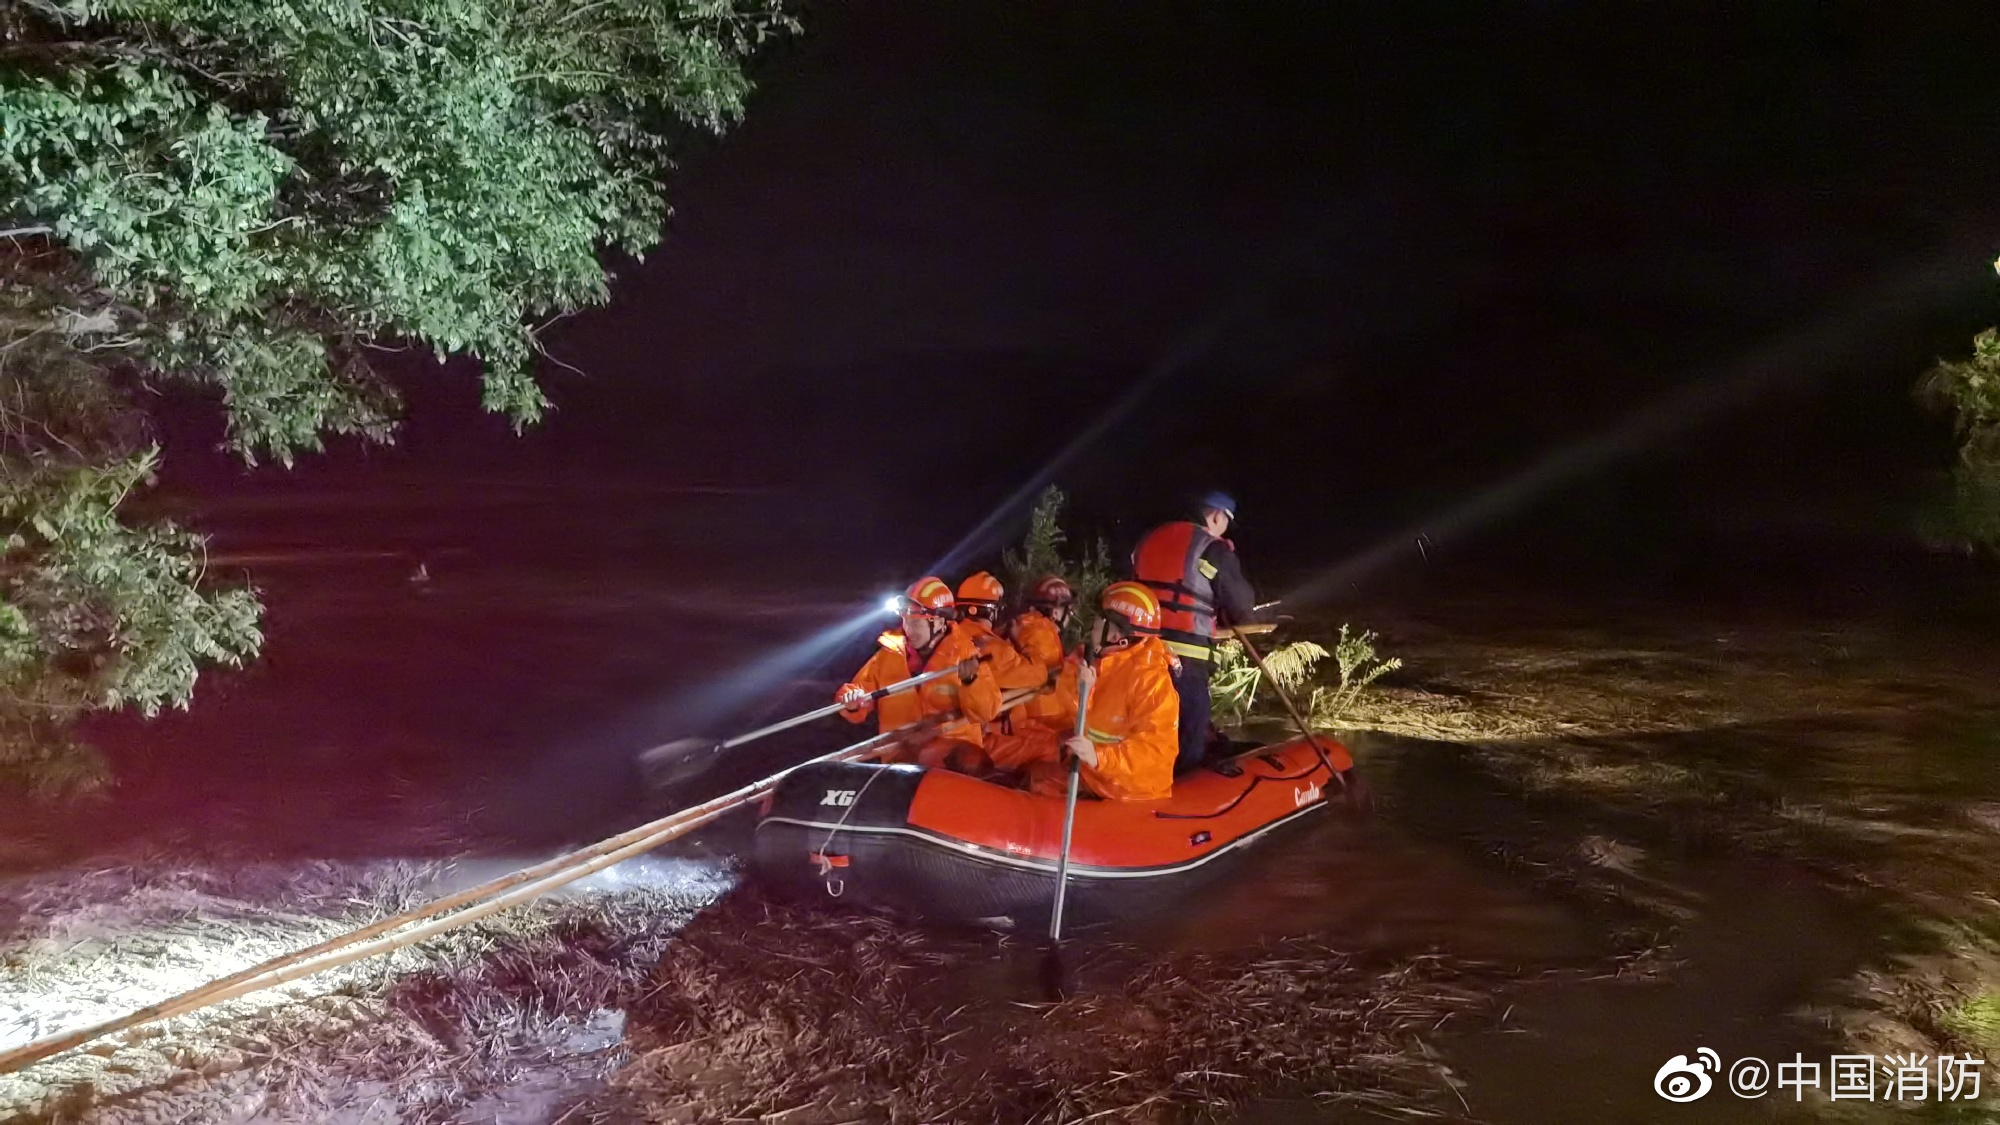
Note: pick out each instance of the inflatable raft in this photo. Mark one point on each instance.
(954, 848)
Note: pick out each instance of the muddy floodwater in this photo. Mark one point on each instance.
(1607, 834)
(1756, 938)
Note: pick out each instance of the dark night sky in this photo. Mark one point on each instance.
(1440, 240)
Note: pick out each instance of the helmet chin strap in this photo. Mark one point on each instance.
(1101, 640)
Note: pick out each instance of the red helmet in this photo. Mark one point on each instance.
(1133, 604)
(982, 590)
(1051, 590)
(928, 596)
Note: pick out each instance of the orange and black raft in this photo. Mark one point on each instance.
(954, 848)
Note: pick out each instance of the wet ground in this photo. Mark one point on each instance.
(1747, 837)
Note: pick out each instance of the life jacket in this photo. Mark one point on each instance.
(1169, 560)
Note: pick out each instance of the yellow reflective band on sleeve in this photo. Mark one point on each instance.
(1207, 568)
(1096, 735)
(1192, 652)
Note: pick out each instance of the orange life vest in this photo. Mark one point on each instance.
(1169, 560)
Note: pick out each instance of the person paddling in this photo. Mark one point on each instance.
(978, 621)
(926, 642)
(1130, 726)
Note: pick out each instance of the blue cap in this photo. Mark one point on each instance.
(1219, 501)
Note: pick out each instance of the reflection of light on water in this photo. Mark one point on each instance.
(684, 877)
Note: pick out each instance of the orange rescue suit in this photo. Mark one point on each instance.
(893, 661)
(1039, 639)
(1133, 720)
(1010, 669)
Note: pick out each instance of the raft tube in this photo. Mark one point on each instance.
(952, 848)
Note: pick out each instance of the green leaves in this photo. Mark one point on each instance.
(439, 172)
(1971, 387)
(1970, 390)
(1359, 667)
(1236, 681)
(244, 194)
(160, 193)
(1041, 547)
(1041, 554)
(99, 614)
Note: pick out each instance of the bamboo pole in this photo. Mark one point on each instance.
(477, 902)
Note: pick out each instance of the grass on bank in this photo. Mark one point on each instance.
(429, 1028)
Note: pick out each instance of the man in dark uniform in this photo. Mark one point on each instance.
(1200, 583)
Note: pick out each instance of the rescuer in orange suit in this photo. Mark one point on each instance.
(1033, 729)
(1131, 715)
(978, 609)
(1200, 582)
(926, 642)
(1037, 633)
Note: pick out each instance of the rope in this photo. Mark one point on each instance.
(825, 864)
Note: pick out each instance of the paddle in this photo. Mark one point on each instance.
(674, 763)
(1052, 967)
